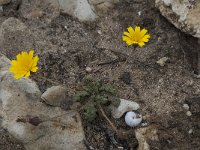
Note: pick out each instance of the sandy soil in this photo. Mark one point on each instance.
(66, 47)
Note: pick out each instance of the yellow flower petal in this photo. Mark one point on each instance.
(141, 44)
(125, 38)
(27, 74)
(127, 34)
(35, 61)
(137, 29)
(34, 69)
(24, 64)
(143, 32)
(131, 30)
(31, 54)
(136, 36)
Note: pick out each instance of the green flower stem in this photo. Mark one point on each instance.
(49, 80)
(124, 64)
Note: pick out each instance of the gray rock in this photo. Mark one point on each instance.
(5, 63)
(12, 24)
(103, 6)
(38, 8)
(35, 124)
(14, 29)
(3, 2)
(183, 14)
(80, 9)
(54, 95)
(86, 10)
(125, 105)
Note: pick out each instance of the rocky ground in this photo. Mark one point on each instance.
(168, 94)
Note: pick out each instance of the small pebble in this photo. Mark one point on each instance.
(99, 31)
(190, 82)
(139, 13)
(88, 69)
(186, 106)
(162, 61)
(190, 131)
(144, 124)
(188, 113)
(66, 28)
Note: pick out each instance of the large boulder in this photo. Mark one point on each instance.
(184, 14)
(36, 125)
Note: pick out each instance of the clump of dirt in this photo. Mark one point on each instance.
(66, 47)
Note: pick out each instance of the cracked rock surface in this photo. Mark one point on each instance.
(183, 14)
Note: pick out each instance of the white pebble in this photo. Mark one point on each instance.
(190, 131)
(188, 113)
(88, 69)
(99, 31)
(186, 106)
(144, 124)
(162, 61)
(66, 28)
(132, 119)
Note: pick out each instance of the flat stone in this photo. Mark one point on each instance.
(36, 125)
(183, 14)
(54, 95)
(124, 106)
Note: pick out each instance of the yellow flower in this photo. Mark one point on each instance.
(137, 36)
(24, 64)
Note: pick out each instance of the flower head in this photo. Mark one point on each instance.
(24, 64)
(136, 36)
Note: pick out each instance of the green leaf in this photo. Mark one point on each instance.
(108, 88)
(90, 113)
(115, 101)
(80, 95)
(101, 99)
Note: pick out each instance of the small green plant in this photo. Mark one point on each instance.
(94, 95)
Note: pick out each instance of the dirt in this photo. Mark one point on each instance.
(66, 47)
